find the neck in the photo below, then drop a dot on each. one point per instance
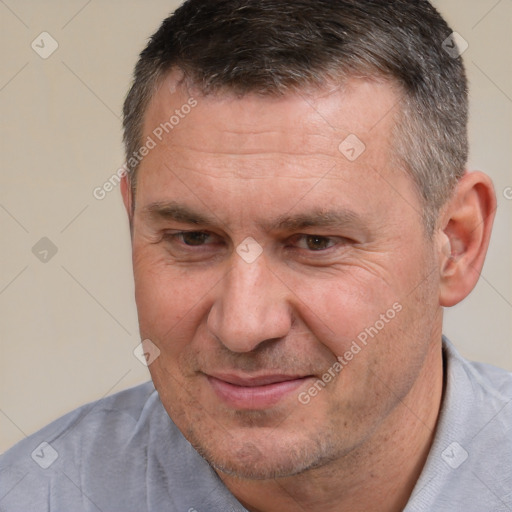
(384, 469)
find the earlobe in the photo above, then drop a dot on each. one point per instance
(464, 236)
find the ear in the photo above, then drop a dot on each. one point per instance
(465, 231)
(127, 194)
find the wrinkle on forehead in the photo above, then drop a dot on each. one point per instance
(295, 115)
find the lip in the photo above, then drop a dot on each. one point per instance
(255, 392)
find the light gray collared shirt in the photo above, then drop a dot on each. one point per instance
(123, 453)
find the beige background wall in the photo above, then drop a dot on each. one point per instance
(68, 326)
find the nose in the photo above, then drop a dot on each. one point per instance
(250, 307)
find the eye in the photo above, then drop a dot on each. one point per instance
(192, 246)
(315, 242)
(193, 238)
(190, 238)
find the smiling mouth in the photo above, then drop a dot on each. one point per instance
(259, 392)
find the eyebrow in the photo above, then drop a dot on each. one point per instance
(320, 217)
(172, 210)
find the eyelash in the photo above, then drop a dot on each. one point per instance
(178, 236)
(181, 234)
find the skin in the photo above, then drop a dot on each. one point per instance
(247, 165)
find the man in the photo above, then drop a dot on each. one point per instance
(300, 214)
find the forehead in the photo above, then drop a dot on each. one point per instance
(244, 148)
(303, 122)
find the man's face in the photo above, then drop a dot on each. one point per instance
(338, 263)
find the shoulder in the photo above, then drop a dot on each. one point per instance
(90, 436)
(470, 463)
(477, 387)
(76, 424)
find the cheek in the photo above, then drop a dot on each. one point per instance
(374, 318)
(342, 309)
(171, 307)
(169, 299)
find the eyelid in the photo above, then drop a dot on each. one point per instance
(316, 235)
(175, 234)
(334, 240)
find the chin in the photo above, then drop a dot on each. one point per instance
(253, 460)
